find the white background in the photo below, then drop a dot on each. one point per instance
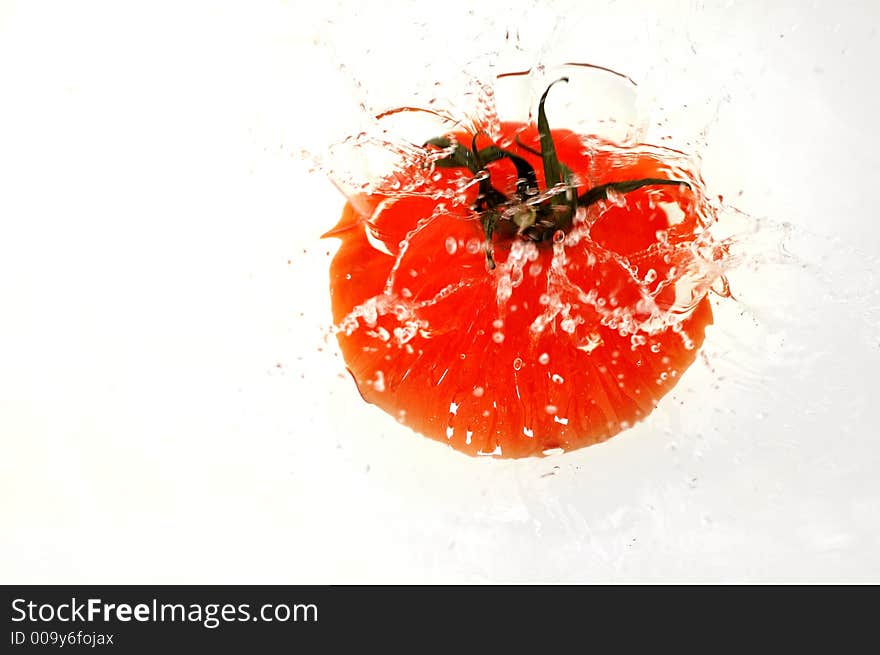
(172, 411)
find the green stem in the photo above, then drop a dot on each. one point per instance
(552, 167)
(600, 192)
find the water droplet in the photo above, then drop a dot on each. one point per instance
(650, 276)
(616, 198)
(558, 379)
(517, 364)
(551, 409)
(544, 359)
(504, 290)
(498, 337)
(473, 246)
(405, 334)
(478, 392)
(379, 382)
(451, 245)
(497, 323)
(593, 341)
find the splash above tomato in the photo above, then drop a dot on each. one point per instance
(535, 291)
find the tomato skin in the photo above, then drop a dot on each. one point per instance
(561, 346)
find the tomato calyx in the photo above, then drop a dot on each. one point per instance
(530, 212)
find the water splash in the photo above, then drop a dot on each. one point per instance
(732, 256)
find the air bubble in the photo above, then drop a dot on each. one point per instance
(517, 364)
(558, 379)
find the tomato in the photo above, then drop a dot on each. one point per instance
(539, 291)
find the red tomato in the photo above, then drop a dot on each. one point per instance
(558, 328)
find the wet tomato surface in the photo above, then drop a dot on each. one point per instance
(512, 302)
